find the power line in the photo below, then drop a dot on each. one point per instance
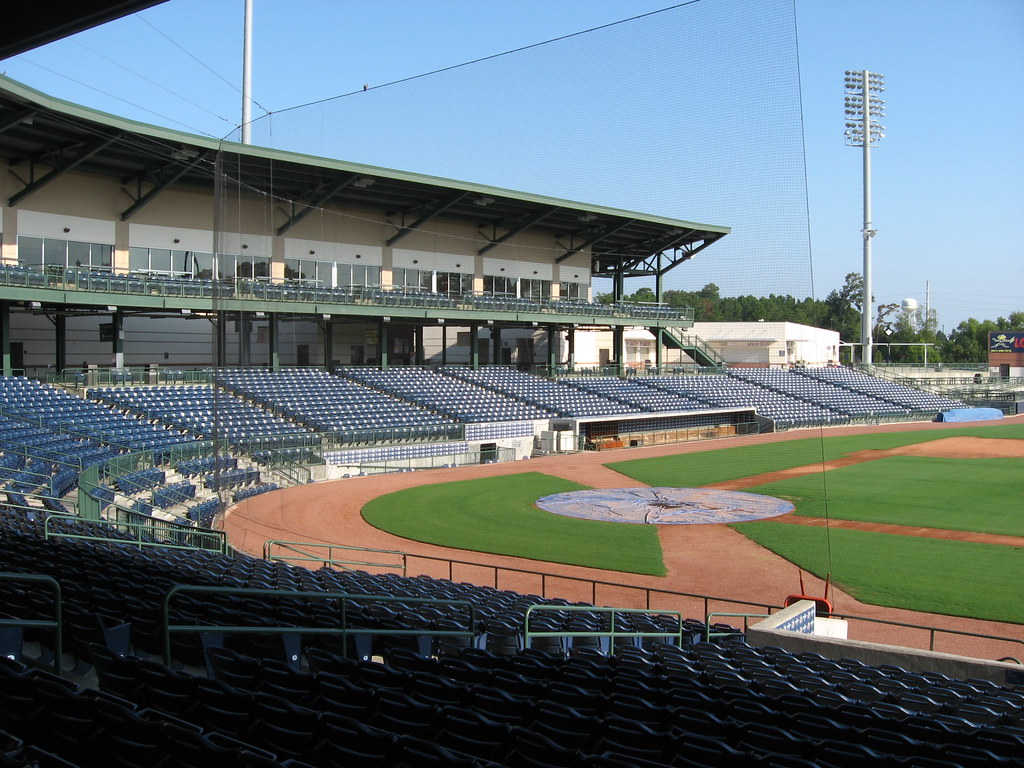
(482, 59)
(154, 83)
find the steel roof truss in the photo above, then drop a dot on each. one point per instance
(61, 168)
(598, 237)
(523, 224)
(428, 212)
(176, 172)
(322, 197)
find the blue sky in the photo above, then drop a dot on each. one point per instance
(693, 113)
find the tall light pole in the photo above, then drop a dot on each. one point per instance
(247, 74)
(863, 108)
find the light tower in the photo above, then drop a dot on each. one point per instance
(864, 107)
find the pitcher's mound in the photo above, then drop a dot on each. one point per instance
(665, 506)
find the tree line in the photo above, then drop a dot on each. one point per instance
(840, 311)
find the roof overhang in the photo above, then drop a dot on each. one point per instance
(27, 25)
(42, 137)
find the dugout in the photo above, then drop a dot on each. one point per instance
(636, 430)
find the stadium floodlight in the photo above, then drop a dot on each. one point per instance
(863, 108)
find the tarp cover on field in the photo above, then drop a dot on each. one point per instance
(970, 414)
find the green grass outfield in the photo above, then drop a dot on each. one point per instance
(703, 468)
(498, 515)
(916, 573)
(983, 495)
(958, 578)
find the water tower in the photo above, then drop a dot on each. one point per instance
(909, 305)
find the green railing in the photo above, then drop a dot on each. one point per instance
(128, 527)
(56, 624)
(267, 291)
(344, 630)
(611, 635)
(325, 555)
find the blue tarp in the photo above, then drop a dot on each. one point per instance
(970, 414)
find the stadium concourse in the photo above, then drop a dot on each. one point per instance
(725, 561)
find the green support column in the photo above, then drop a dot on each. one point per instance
(384, 343)
(328, 328)
(244, 339)
(571, 342)
(495, 345)
(273, 342)
(221, 352)
(474, 347)
(619, 336)
(552, 347)
(5, 337)
(659, 346)
(60, 342)
(417, 340)
(118, 343)
(444, 345)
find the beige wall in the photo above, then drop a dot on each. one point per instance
(90, 206)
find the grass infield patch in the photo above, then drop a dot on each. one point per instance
(955, 578)
(498, 515)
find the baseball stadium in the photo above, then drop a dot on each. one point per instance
(305, 462)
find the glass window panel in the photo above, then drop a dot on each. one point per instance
(202, 264)
(55, 251)
(102, 255)
(138, 259)
(30, 251)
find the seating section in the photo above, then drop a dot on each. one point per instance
(327, 403)
(60, 410)
(731, 392)
(916, 400)
(837, 399)
(200, 410)
(480, 700)
(638, 394)
(553, 396)
(457, 398)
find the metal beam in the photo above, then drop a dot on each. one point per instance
(316, 202)
(161, 186)
(607, 232)
(432, 211)
(87, 152)
(521, 227)
(17, 118)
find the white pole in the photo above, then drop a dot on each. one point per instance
(247, 75)
(865, 328)
(927, 315)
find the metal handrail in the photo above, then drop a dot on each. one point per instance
(612, 633)
(56, 625)
(708, 634)
(330, 561)
(139, 530)
(344, 630)
(707, 600)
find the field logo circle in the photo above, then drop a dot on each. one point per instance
(665, 506)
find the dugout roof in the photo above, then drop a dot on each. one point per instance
(42, 137)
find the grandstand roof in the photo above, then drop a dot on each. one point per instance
(42, 137)
(25, 27)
